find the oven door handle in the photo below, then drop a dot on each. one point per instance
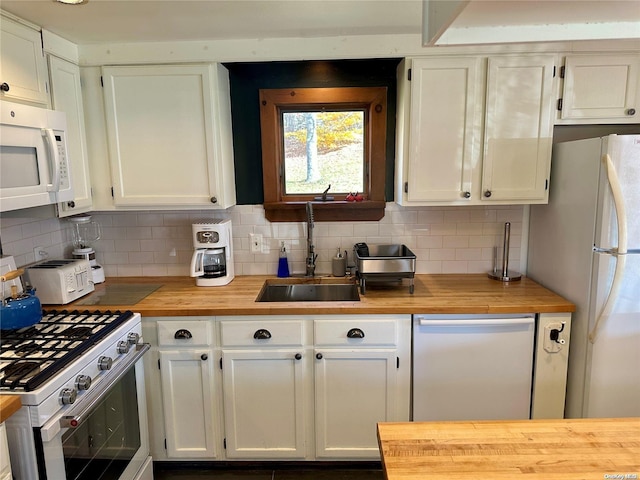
(77, 415)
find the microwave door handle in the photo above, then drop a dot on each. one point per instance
(54, 186)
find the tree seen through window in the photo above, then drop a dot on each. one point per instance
(323, 148)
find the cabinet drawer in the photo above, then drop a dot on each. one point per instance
(257, 332)
(184, 333)
(355, 332)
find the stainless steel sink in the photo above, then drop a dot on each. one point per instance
(308, 292)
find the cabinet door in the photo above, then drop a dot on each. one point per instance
(601, 87)
(5, 462)
(442, 147)
(355, 389)
(66, 95)
(188, 398)
(167, 146)
(24, 68)
(518, 129)
(264, 406)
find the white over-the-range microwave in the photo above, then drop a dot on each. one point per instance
(34, 166)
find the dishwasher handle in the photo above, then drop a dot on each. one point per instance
(474, 322)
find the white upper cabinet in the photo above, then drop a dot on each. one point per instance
(169, 136)
(66, 96)
(518, 129)
(24, 68)
(471, 135)
(446, 101)
(601, 89)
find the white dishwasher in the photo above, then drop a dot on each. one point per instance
(472, 367)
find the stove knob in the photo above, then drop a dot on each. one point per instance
(67, 396)
(83, 382)
(133, 338)
(104, 363)
(123, 347)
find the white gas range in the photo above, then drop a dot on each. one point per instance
(81, 381)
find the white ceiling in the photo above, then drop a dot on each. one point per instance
(501, 21)
(466, 21)
(129, 21)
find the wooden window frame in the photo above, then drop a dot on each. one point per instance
(286, 208)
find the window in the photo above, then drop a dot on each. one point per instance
(316, 137)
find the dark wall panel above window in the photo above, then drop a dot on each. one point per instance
(248, 78)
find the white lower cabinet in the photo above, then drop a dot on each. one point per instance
(264, 404)
(188, 402)
(276, 387)
(186, 363)
(355, 389)
(265, 387)
(5, 463)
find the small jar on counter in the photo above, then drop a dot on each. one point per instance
(339, 264)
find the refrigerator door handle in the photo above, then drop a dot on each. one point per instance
(618, 203)
(620, 252)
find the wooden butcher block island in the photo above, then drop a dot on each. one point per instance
(472, 294)
(529, 449)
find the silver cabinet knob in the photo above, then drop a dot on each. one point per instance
(133, 338)
(631, 112)
(67, 396)
(123, 347)
(214, 199)
(104, 363)
(83, 382)
(466, 194)
(487, 193)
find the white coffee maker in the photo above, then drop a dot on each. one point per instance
(212, 261)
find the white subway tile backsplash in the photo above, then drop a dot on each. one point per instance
(124, 245)
(445, 239)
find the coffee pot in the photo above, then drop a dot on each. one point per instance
(212, 260)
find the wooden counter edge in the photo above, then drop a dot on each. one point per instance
(9, 404)
(155, 304)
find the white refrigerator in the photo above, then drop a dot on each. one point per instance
(585, 245)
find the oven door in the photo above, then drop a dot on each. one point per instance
(105, 435)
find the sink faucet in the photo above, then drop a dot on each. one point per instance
(311, 256)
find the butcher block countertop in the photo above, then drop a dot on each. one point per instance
(9, 404)
(527, 449)
(475, 293)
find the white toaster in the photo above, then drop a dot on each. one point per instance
(59, 282)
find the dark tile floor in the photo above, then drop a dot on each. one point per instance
(314, 471)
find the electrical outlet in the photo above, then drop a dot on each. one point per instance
(256, 242)
(40, 254)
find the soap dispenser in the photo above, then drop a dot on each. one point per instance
(283, 262)
(339, 264)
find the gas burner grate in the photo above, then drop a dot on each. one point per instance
(30, 356)
(17, 372)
